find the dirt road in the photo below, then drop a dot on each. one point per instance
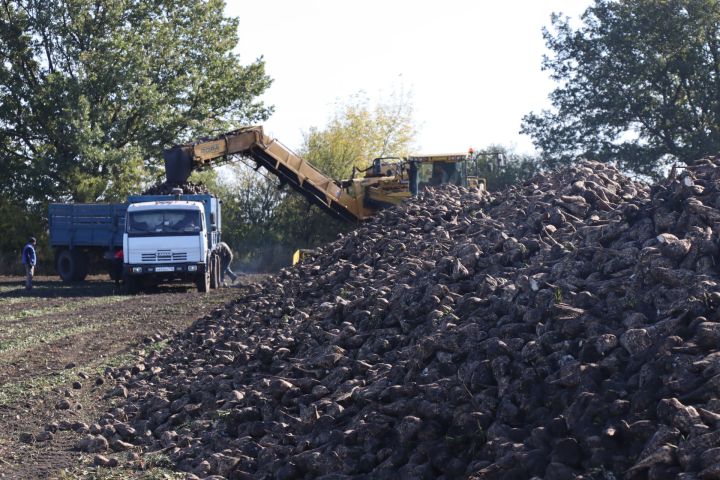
(55, 343)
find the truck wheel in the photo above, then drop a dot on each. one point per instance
(132, 284)
(202, 281)
(114, 273)
(115, 269)
(83, 265)
(214, 264)
(218, 273)
(72, 266)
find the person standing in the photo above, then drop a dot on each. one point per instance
(29, 259)
(226, 258)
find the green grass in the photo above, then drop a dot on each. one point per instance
(21, 335)
(19, 343)
(98, 473)
(11, 392)
(64, 308)
(156, 466)
(12, 300)
(157, 346)
(10, 288)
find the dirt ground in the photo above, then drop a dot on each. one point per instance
(60, 334)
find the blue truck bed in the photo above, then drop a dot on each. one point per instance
(87, 224)
(74, 225)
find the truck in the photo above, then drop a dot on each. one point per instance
(162, 238)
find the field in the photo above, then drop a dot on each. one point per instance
(60, 334)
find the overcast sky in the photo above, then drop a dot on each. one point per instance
(472, 66)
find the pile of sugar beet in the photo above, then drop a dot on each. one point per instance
(568, 327)
(167, 188)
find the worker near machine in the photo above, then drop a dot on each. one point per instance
(226, 257)
(29, 259)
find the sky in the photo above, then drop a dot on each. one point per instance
(472, 67)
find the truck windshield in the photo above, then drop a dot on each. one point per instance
(164, 221)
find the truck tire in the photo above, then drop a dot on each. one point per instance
(202, 281)
(132, 284)
(214, 270)
(72, 265)
(218, 272)
(115, 270)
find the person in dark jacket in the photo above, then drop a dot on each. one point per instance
(29, 259)
(226, 257)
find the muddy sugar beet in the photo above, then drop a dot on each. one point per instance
(564, 328)
(167, 188)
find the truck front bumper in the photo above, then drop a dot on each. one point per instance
(169, 269)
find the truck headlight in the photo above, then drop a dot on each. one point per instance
(192, 268)
(137, 269)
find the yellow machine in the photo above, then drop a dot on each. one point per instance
(300, 255)
(387, 182)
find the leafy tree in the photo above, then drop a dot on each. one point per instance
(90, 92)
(18, 222)
(639, 84)
(358, 132)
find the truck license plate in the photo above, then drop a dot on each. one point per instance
(164, 269)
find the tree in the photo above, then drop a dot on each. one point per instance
(18, 222)
(90, 92)
(639, 85)
(358, 132)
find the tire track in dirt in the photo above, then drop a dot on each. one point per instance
(22, 316)
(49, 326)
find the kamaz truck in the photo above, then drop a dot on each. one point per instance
(162, 238)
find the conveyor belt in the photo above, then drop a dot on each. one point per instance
(251, 142)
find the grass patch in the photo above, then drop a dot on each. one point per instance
(158, 460)
(157, 346)
(10, 287)
(11, 392)
(12, 300)
(67, 307)
(98, 473)
(20, 342)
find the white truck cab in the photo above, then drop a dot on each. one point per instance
(167, 240)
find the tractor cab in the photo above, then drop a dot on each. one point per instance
(435, 170)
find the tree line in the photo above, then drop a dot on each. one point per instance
(91, 92)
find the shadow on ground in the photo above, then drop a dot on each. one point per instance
(47, 287)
